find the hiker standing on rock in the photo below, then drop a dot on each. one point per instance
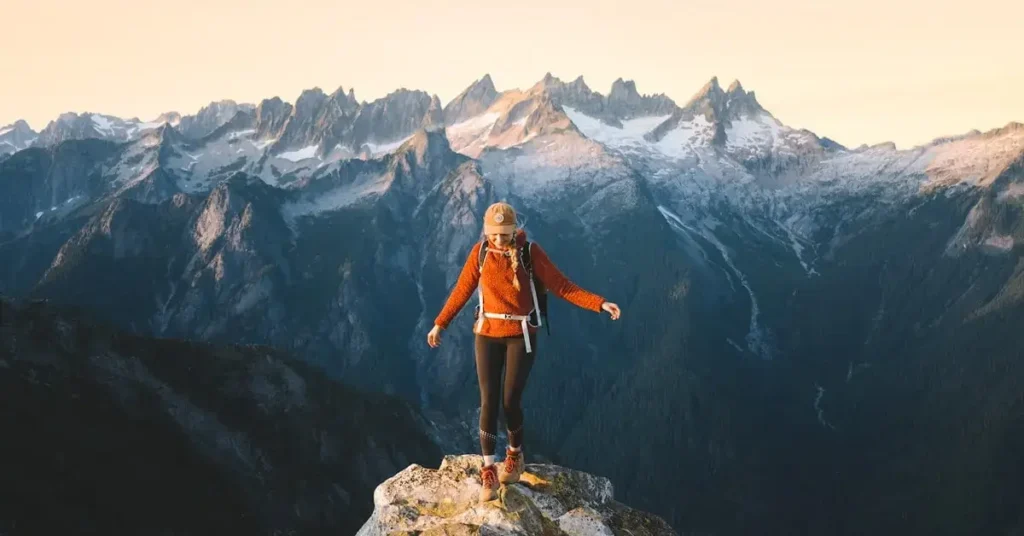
(511, 277)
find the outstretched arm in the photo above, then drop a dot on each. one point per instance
(464, 287)
(558, 283)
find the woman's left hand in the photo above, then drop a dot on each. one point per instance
(612, 309)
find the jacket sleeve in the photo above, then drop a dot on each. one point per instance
(555, 281)
(464, 287)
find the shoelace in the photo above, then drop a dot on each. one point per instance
(510, 462)
(488, 477)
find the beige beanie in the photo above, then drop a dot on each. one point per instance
(500, 218)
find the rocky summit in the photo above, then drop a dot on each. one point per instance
(549, 500)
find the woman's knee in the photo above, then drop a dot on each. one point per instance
(511, 405)
(488, 406)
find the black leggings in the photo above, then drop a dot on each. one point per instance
(493, 354)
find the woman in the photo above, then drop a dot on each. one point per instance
(504, 334)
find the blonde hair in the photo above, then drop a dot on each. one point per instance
(515, 263)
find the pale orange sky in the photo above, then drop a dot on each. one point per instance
(862, 71)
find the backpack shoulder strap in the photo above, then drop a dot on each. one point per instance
(482, 256)
(524, 254)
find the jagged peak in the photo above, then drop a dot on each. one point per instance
(485, 83)
(711, 85)
(580, 83)
(483, 86)
(709, 91)
(548, 81)
(308, 99)
(274, 107)
(68, 117)
(313, 92)
(730, 104)
(274, 101)
(476, 98)
(340, 93)
(20, 126)
(621, 84)
(623, 89)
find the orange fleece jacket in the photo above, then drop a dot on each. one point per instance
(501, 297)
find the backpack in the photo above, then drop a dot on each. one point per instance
(538, 286)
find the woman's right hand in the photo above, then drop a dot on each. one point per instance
(434, 337)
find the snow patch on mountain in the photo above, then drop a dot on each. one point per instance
(139, 129)
(470, 136)
(762, 135)
(298, 155)
(552, 165)
(62, 208)
(103, 125)
(377, 150)
(630, 136)
(795, 241)
(364, 187)
(246, 134)
(138, 160)
(753, 131)
(680, 143)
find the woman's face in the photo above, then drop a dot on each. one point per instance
(500, 240)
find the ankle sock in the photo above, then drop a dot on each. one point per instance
(515, 449)
(488, 459)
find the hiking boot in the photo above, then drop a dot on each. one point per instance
(489, 481)
(513, 467)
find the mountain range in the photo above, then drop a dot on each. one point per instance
(815, 338)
